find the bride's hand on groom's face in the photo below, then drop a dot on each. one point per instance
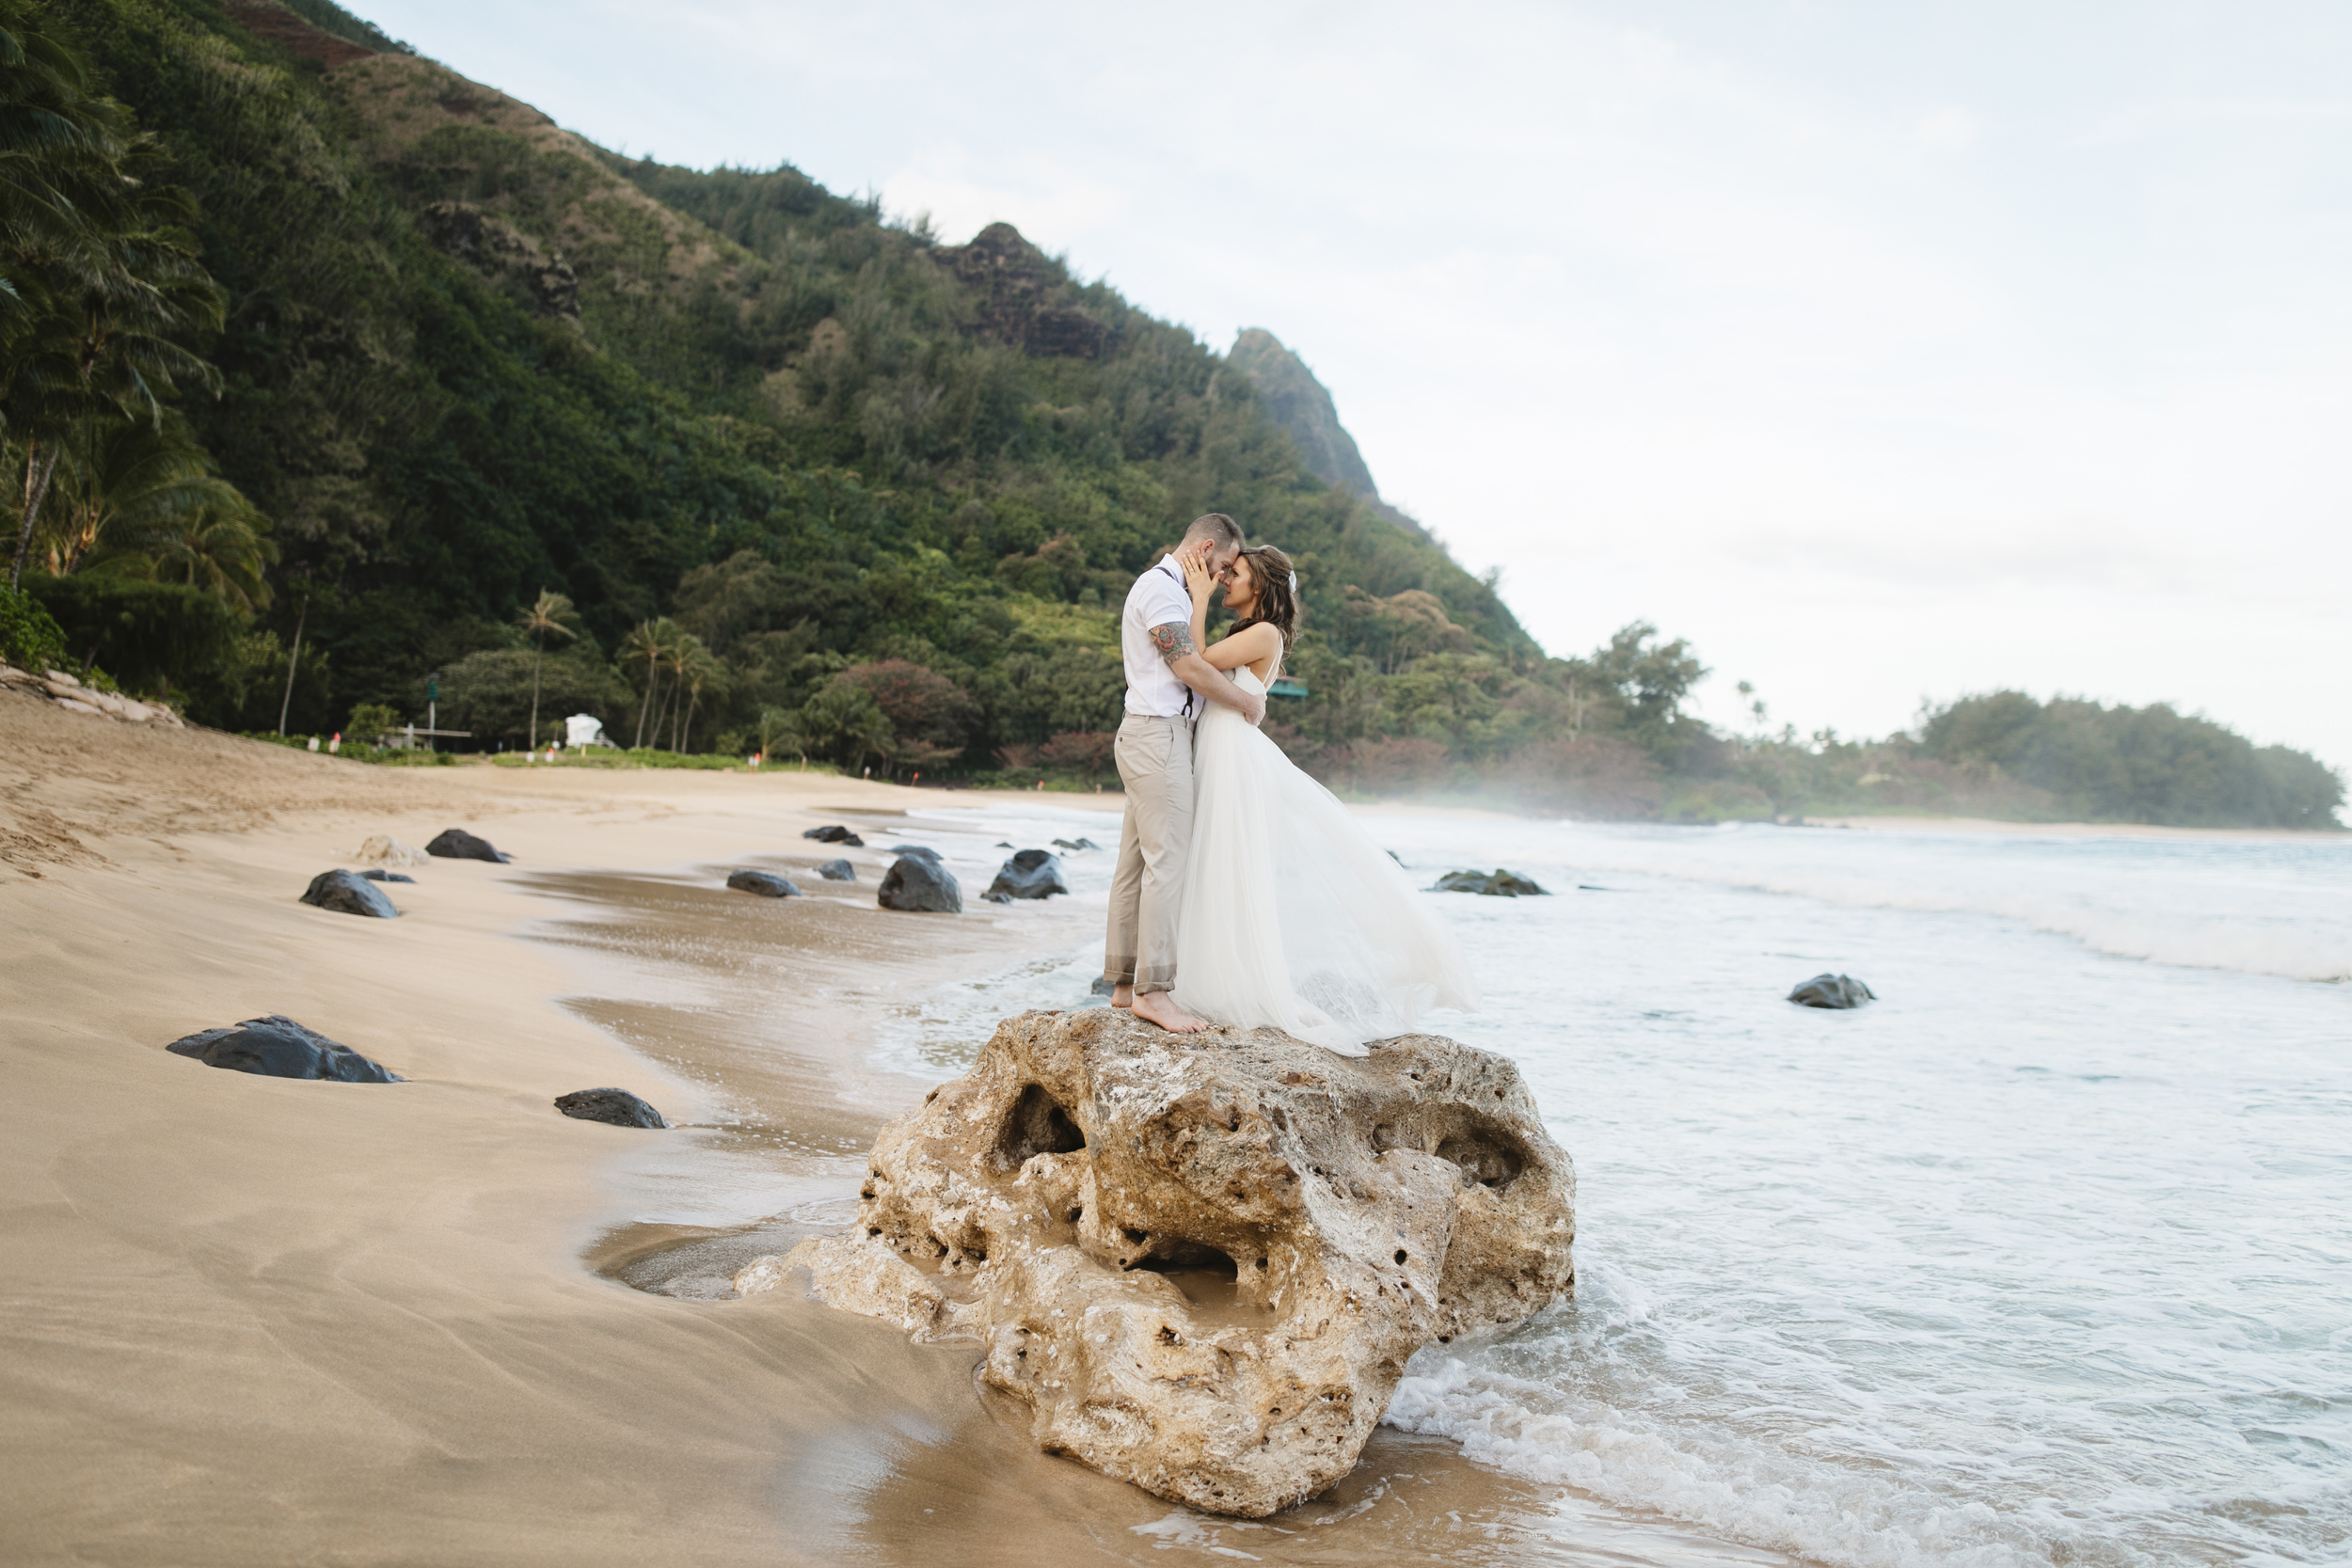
(1198, 580)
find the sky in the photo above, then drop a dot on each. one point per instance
(1886, 353)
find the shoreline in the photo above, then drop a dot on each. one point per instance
(1981, 825)
(260, 1320)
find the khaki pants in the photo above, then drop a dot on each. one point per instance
(1148, 889)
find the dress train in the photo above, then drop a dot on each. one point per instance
(1292, 915)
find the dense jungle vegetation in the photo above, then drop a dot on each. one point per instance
(328, 377)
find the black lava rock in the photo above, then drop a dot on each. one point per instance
(374, 876)
(1832, 991)
(835, 834)
(455, 844)
(919, 884)
(1103, 988)
(277, 1046)
(1030, 874)
(1074, 846)
(837, 871)
(1494, 884)
(925, 851)
(765, 884)
(348, 892)
(617, 1106)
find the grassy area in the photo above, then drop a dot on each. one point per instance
(353, 751)
(647, 756)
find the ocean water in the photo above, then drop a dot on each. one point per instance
(2043, 1258)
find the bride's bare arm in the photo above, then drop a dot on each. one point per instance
(1245, 646)
(1184, 660)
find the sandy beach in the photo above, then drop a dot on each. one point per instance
(254, 1320)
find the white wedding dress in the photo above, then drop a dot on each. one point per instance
(1292, 916)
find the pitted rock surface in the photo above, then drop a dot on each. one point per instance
(1203, 1261)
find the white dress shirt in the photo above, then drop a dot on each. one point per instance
(1157, 598)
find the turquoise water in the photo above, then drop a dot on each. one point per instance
(2044, 1257)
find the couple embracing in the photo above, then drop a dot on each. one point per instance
(1246, 895)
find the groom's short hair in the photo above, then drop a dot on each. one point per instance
(1216, 525)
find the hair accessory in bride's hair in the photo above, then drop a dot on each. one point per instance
(1294, 582)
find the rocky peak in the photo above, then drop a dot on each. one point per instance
(1303, 407)
(1026, 301)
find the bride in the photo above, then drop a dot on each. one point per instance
(1292, 916)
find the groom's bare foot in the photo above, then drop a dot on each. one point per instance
(1123, 996)
(1161, 1008)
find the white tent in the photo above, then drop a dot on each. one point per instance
(583, 729)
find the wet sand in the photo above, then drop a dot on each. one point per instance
(259, 1320)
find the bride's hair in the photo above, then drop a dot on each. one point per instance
(1274, 578)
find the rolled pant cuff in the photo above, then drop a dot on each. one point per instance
(1120, 972)
(1155, 978)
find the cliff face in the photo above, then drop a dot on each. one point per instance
(1303, 407)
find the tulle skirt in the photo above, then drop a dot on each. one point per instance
(1292, 915)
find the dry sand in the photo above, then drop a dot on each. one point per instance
(257, 1321)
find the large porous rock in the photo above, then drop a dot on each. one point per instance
(1203, 1260)
(765, 884)
(1494, 884)
(277, 1046)
(617, 1106)
(1030, 874)
(458, 844)
(349, 893)
(920, 884)
(1832, 991)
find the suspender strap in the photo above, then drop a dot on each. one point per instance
(1190, 695)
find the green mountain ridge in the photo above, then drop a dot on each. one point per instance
(782, 474)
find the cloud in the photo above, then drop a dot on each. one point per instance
(1947, 128)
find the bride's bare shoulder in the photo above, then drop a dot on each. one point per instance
(1249, 645)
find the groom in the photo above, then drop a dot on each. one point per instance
(1166, 681)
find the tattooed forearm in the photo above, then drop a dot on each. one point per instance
(1173, 640)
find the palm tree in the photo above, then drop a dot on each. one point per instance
(96, 268)
(542, 617)
(649, 642)
(222, 553)
(102, 351)
(692, 665)
(129, 488)
(777, 727)
(58, 144)
(698, 669)
(844, 719)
